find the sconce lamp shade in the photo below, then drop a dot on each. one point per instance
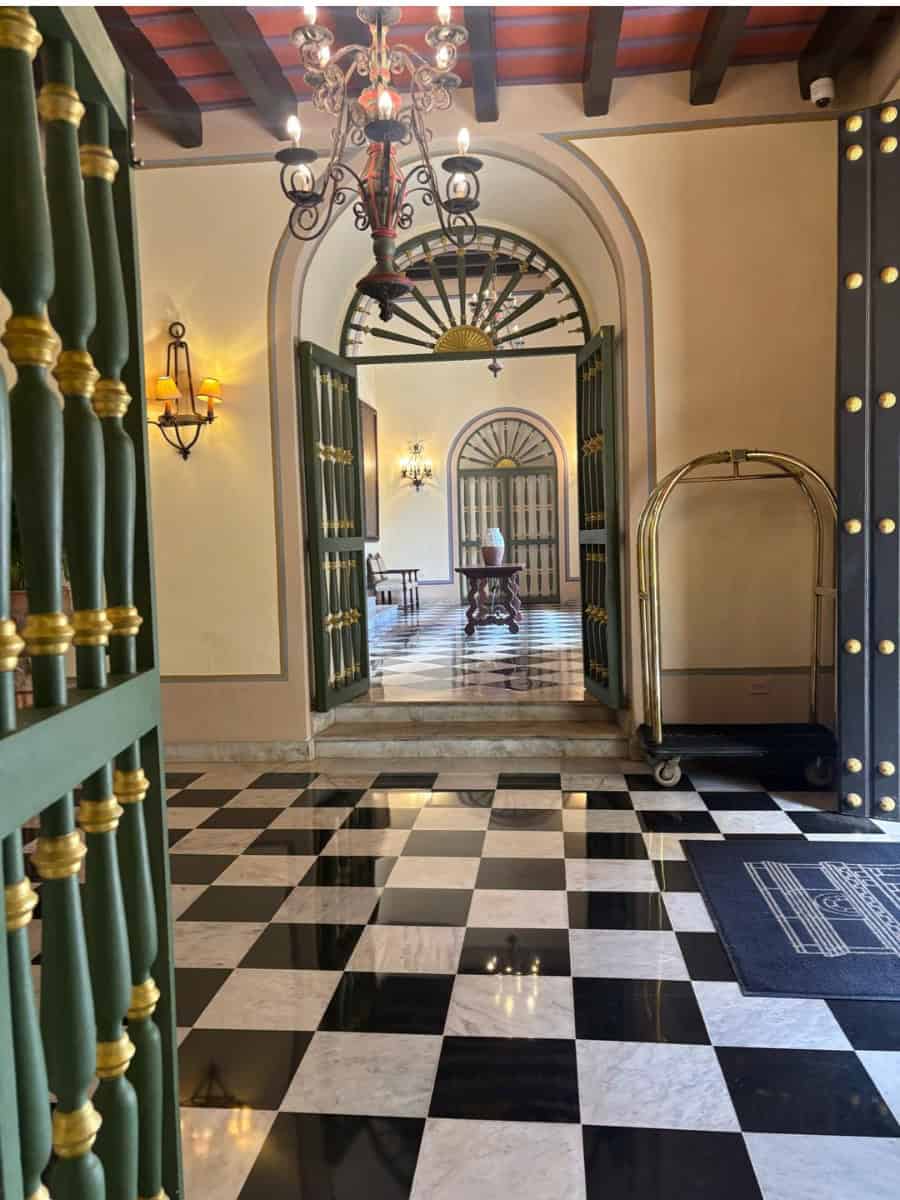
(210, 390)
(167, 388)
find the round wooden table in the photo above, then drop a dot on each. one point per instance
(499, 607)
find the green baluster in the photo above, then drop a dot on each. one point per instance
(109, 346)
(73, 310)
(26, 275)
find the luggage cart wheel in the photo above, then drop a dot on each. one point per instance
(819, 772)
(667, 773)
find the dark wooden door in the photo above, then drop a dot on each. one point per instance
(335, 520)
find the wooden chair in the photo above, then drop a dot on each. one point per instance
(381, 584)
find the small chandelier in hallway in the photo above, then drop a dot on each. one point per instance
(181, 421)
(380, 119)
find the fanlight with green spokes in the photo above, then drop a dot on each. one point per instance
(506, 442)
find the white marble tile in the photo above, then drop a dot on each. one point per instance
(793, 1166)
(265, 798)
(370, 1074)
(453, 818)
(600, 820)
(424, 871)
(502, 843)
(653, 1085)
(402, 948)
(394, 799)
(499, 908)
(666, 847)
(468, 781)
(527, 798)
(847, 837)
(187, 818)
(884, 1067)
(525, 1006)
(734, 1019)
(338, 779)
(219, 1147)
(214, 943)
(227, 775)
(626, 954)
(688, 912)
(668, 802)
(276, 999)
(182, 896)
(374, 842)
(754, 822)
(599, 781)
(610, 875)
(261, 870)
(181, 1033)
(484, 1160)
(891, 828)
(215, 841)
(311, 818)
(329, 905)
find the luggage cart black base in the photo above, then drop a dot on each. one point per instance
(811, 747)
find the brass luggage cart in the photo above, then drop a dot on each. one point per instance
(665, 745)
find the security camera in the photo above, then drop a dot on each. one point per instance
(821, 91)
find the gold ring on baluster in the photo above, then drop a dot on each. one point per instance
(92, 627)
(98, 162)
(11, 645)
(19, 31)
(113, 1057)
(110, 398)
(47, 633)
(21, 901)
(99, 816)
(59, 857)
(130, 787)
(144, 998)
(59, 102)
(125, 620)
(30, 341)
(75, 373)
(74, 1132)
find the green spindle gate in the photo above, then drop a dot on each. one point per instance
(598, 518)
(77, 469)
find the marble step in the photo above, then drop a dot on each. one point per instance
(473, 739)
(468, 711)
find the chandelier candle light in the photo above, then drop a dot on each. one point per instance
(416, 469)
(381, 120)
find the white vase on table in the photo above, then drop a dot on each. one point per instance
(492, 548)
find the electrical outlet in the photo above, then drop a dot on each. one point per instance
(759, 687)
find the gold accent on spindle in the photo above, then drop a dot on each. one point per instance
(92, 627)
(889, 114)
(113, 1057)
(130, 787)
(74, 1132)
(853, 404)
(125, 620)
(19, 31)
(853, 645)
(887, 400)
(99, 816)
(47, 633)
(854, 153)
(75, 373)
(21, 901)
(59, 857)
(853, 281)
(854, 765)
(11, 645)
(887, 803)
(889, 275)
(853, 800)
(110, 398)
(887, 145)
(144, 998)
(59, 102)
(853, 525)
(30, 341)
(886, 525)
(98, 162)
(886, 768)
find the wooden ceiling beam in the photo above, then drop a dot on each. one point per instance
(155, 84)
(237, 37)
(480, 23)
(839, 35)
(604, 26)
(721, 32)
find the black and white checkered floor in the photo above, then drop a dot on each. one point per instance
(425, 655)
(502, 983)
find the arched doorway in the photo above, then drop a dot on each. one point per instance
(508, 478)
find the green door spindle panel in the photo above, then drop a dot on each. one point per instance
(73, 310)
(27, 278)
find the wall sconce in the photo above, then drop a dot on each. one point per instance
(181, 422)
(416, 468)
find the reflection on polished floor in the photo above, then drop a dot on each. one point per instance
(499, 980)
(424, 655)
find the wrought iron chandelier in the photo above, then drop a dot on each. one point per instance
(381, 119)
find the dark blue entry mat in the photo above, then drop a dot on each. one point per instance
(815, 919)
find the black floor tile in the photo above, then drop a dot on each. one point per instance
(646, 783)
(826, 1092)
(869, 1024)
(300, 947)
(226, 903)
(336, 1158)
(204, 797)
(597, 800)
(604, 845)
(738, 801)
(618, 910)
(405, 779)
(241, 818)
(290, 841)
(705, 957)
(638, 1010)
(180, 779)
(677, 822)
(329, 798)
(284, 779)
(194, 988)
(666, 1164)
(216, 1069)
(422, 906)
(366, 1002)
(675, 876)
(381, 818)
(532, 780)
(524, 951)
(507, 1079)
(522, 874)
(441, 843)
(348, 870)
(747, 837)
(526, 820)
(461, 799)
(826, 822)
(174, 836)
(198, 868)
